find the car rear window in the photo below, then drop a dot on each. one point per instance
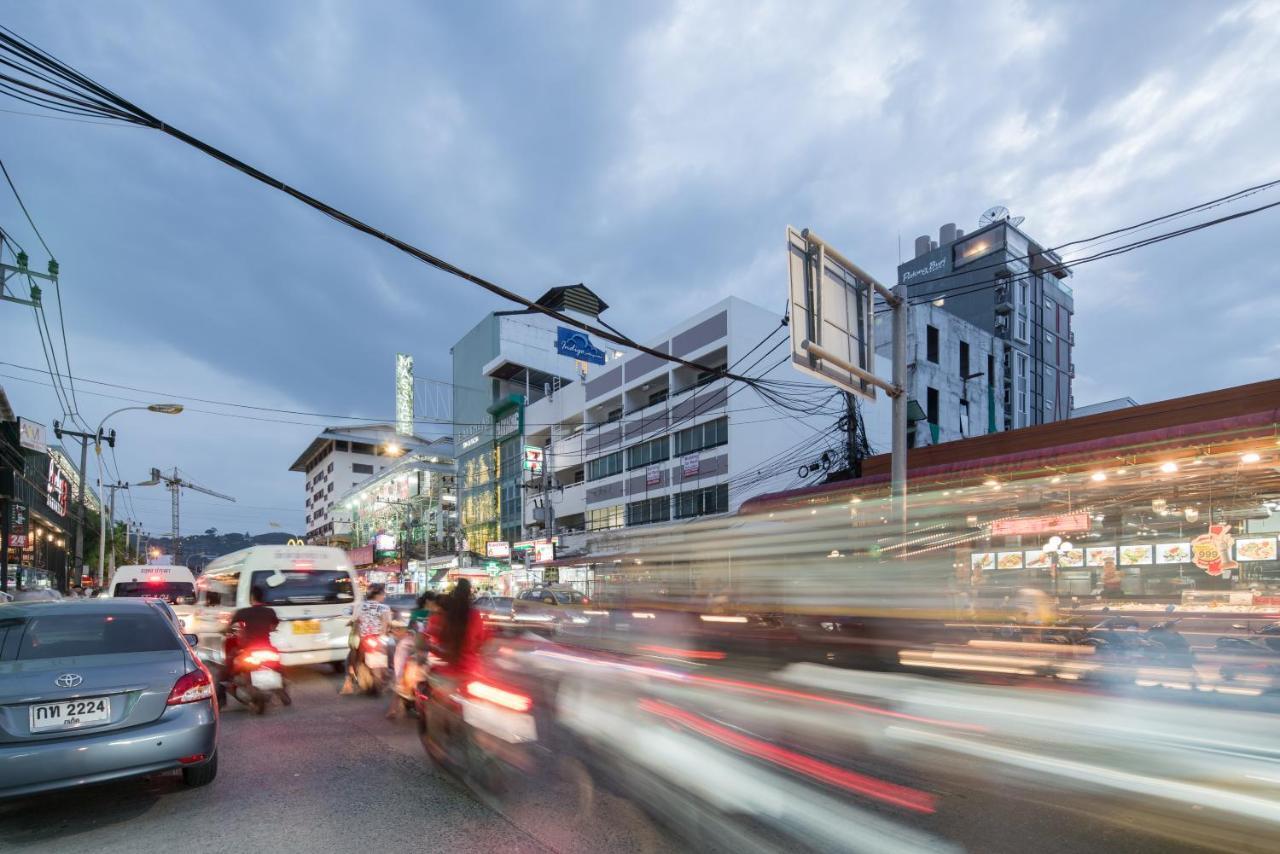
(305, 587)
(173, 592)
(568, 597)
(60, 635)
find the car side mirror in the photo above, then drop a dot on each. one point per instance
(191, 640)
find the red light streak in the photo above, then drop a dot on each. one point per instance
(831, 701)
(824, 772)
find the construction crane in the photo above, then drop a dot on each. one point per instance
(175, 485)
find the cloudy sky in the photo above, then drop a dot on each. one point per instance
(652, 150)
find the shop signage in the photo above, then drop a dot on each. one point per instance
(653, 475)
(551, 575)
(506, 425)
(689, 465)
(497, 548)
(31, 436)
(1211, 551)
(576, 344)
(58, 489)
(533, 459)
(1040, 525)
(935, 266)
(17, 525)
(362, 556)
(524, 545)
(544, 552)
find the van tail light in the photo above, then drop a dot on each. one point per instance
(499, 696)
(191, 688)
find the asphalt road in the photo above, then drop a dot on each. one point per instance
(328, 774)
(333, 774)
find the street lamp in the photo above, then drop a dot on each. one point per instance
(161, 408)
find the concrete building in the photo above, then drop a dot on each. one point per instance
(408, 513)
(635, 441)
(337, 460)
(1002, 289)
(1104, 406)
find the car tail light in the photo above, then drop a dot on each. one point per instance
(191, 688)
(192, 759)
(499, 696)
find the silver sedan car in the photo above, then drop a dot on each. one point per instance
(96, 690)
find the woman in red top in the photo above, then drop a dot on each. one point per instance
(460, 633)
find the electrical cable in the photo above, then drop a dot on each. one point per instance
(90, 96)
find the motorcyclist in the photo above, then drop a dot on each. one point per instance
(373, 619)
(460, 632)
(406, 646)
(249, 628)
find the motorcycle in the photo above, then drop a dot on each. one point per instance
(371, 664)
(255, 677)
(478, 728)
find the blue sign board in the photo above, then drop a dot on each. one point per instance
(577, 345)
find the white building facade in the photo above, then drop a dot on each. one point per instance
(646, 441)
(338, 460)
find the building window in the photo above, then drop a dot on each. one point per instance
(329, 469)
(964, 359)
(330, 489)
(931, 343)
(362, 468)
(604, 518)
(931, 405)
(657, 397)
(702, 502)
(606, 466)
(976, 247)
(649, 511)
(705, 377)
(653, 451)
(614, 415)
(702, 436)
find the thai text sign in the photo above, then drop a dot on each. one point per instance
(1040, 525)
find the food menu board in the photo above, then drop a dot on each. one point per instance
(1256, 548)
(1173, 553)
(1071, 558)
(1136, 555)
(984, 561)
(1098, 555)
(1039, 559)
(1009, 560)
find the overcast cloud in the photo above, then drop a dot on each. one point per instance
(652, 150)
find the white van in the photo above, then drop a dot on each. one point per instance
(311, 588)
(174, 584)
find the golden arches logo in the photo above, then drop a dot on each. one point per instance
(294, 541)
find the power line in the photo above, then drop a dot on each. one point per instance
(92, 99)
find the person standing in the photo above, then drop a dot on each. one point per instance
(373, 618)
(1112, 581)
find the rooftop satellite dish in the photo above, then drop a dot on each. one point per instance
(995, 213)
(1016, 221)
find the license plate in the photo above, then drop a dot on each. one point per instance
(511, 727)
(70, 714)
(306, 627)
(375, 660)
(266, 680)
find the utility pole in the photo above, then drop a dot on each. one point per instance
(898, 462)
(84, 438)
(111, 522)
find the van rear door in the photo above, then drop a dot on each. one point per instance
(315, 606)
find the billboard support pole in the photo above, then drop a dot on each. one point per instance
(898, 460)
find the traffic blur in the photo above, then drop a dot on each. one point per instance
(815, 674)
